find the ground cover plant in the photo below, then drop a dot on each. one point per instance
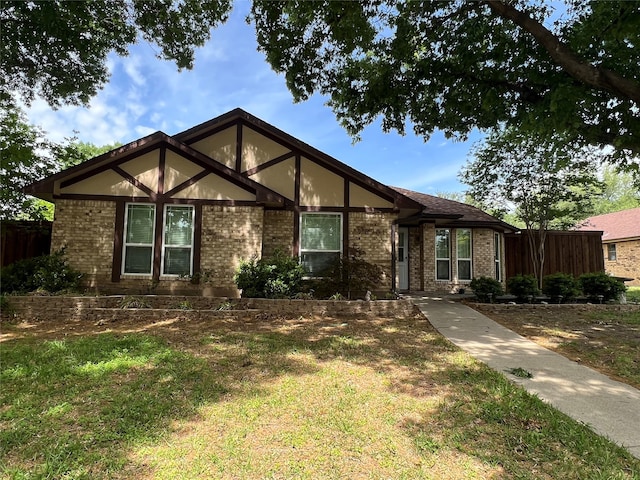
(602, 337)
(275, 398)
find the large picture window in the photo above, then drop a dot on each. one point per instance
(463, 251)
(140, 220)
(443, 254)
(320, 241)
(140, 240)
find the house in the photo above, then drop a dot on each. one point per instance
(620, 242)
(164, 209)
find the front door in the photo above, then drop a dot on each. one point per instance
(402, 263)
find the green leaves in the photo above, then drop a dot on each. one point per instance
(58, 49)
(457, 66)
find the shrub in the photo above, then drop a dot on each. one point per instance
(594, 284)
(523, 286)
(349, 275)
(486, 288)
(560, 284)
(278, 276)
(49, 273)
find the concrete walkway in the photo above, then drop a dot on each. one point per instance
(610, 408)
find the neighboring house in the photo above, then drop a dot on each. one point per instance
(165, 208)
(620, 242)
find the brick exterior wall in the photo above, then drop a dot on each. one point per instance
(229, 235)
(371, 232)
(277, 232)
(627, 263)
(483, 253)
(86, 229)
(415, 280)
(482, 259)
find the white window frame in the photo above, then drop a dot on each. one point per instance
(125, 244)
(464, 259)
(497, 255)
(300, 249)
(165, 245)
(612, 252)
(448, 259)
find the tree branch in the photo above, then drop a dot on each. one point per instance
(566, 58)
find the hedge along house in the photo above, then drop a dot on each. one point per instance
(164, 209)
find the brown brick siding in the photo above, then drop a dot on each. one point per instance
(229, 235)
(371, 233)
(277, 232)
(627, 263)
(86, 230)
(415, 279)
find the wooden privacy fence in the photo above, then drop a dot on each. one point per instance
(23, 239)
(565, 251)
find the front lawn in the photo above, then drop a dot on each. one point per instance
(283, 398)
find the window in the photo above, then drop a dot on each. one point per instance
(443, 255)
(463, 242)
(177, 244)
(140, 240)
(611, 251)
(320, 240)
(498, 255)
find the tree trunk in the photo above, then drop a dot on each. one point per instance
(570, 62)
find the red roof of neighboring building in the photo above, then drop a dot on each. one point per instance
(615, 226)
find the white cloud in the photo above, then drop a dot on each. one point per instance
(132, 67)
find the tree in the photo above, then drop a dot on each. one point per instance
(459, 65)
(25, 156)
(548, 186)
(58, 49)
(619, 192)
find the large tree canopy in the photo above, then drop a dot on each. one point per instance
(458, 65)
(58, 49)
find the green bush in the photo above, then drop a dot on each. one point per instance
(278, 276)
(486, 288)
(560, 284)
(48, 273)
(350, 275)
(594, 284)
(523, 286)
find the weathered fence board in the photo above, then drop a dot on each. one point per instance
(23, 239)
(565, 251)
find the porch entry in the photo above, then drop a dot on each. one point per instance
(402, 262)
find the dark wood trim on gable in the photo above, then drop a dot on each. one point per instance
(270, 163)
(187, 183)
(161, 166)
(136, 183)
(238, 146)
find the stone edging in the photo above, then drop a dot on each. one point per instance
(109, 308)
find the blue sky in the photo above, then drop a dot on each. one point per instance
(146, 94)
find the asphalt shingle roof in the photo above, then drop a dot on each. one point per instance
(615, 226)
(442, 206)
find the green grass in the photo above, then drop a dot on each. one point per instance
(296, 399)
(633, 294)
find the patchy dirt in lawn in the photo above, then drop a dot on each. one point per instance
(604, 338)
